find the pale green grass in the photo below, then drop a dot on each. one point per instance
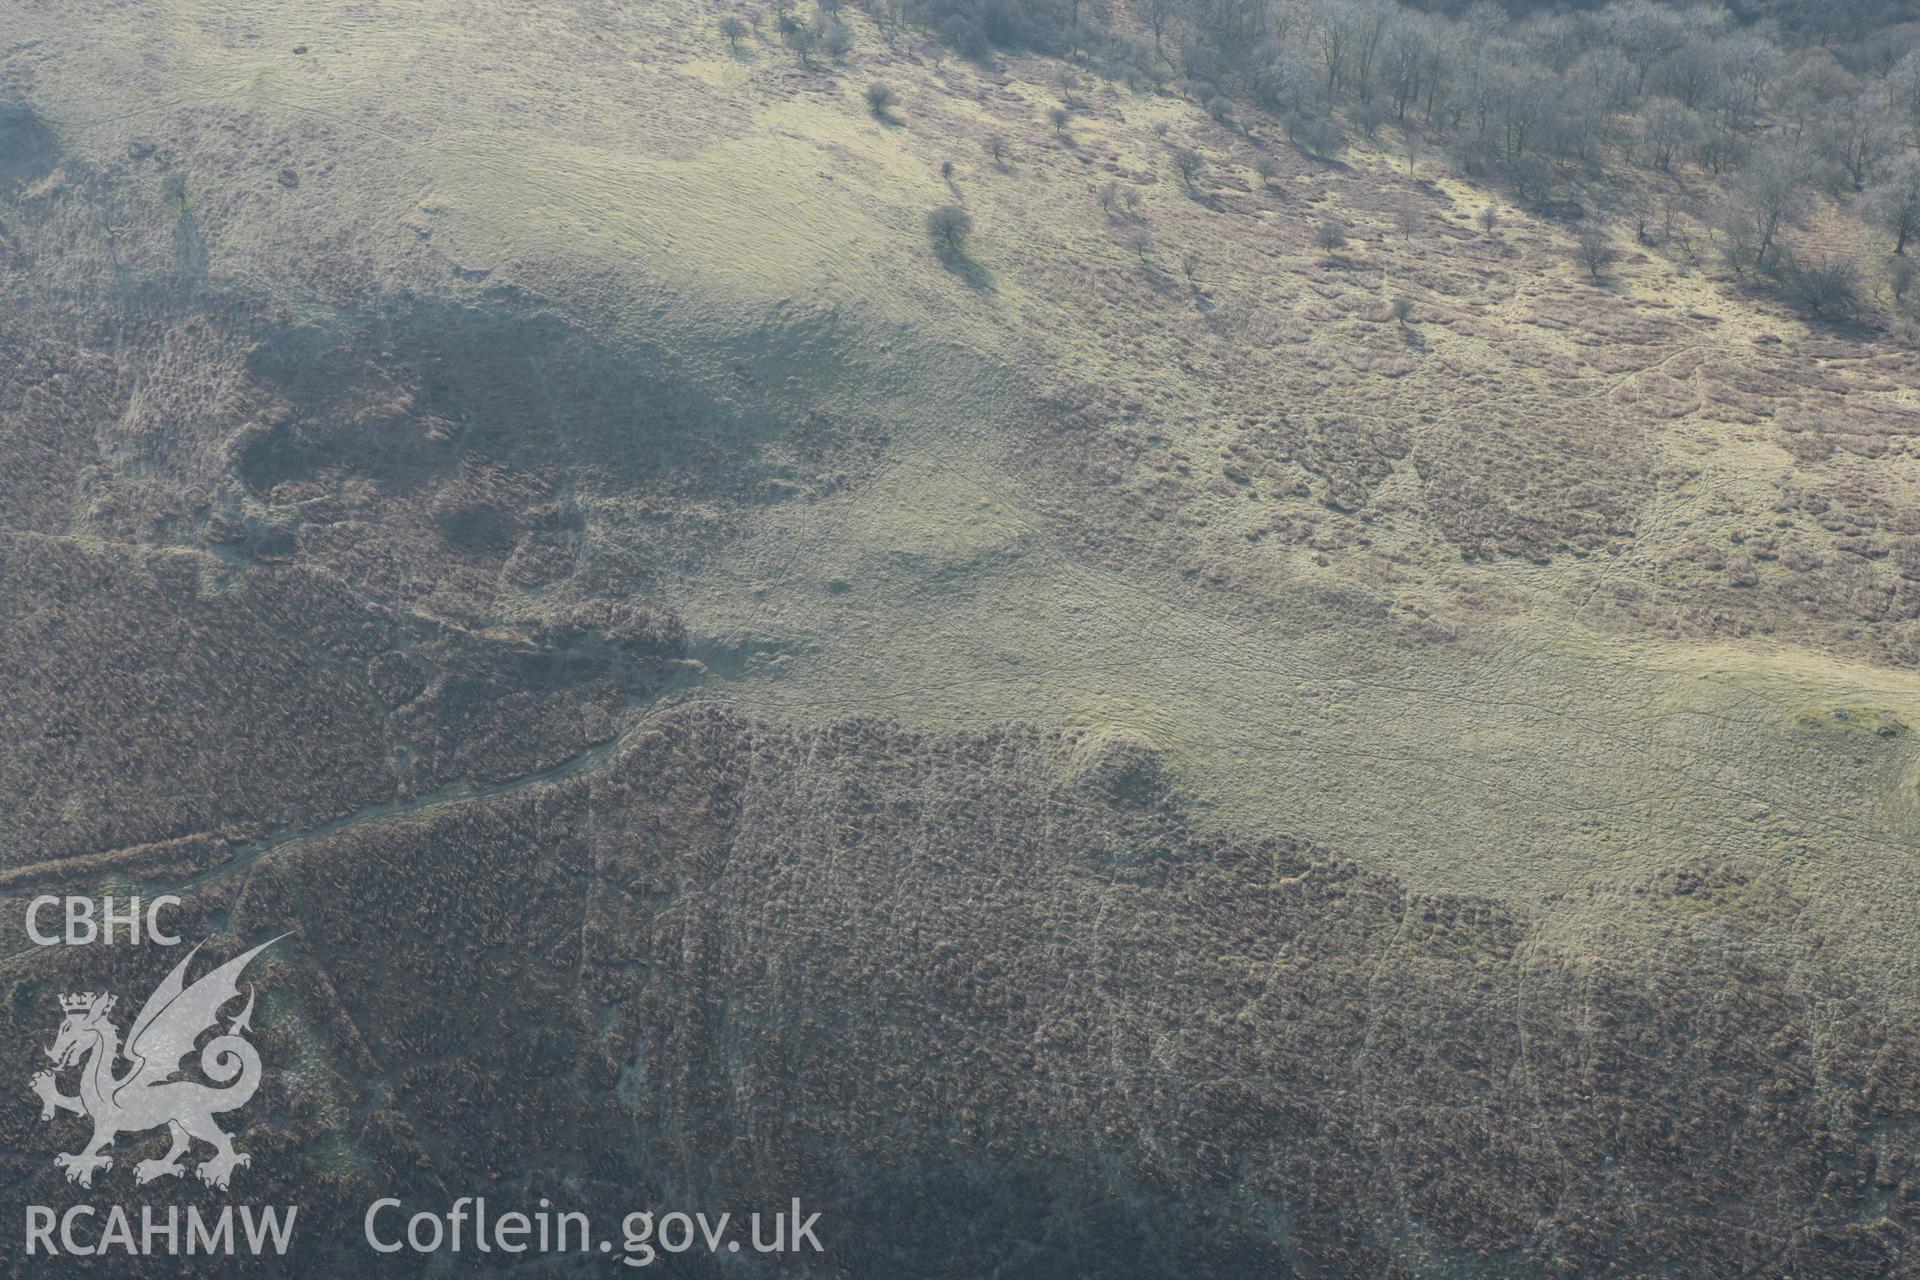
(739, 214)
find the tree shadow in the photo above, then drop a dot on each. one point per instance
(27, 147)
(1562, 209)
(1332, 163)
(1162, 281)
(972, 273)
(1838, 324)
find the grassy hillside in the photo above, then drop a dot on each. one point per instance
(573, 367)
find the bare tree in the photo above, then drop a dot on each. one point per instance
(1673, 226)
(1667, 130)
(1608, 75)
(1142, 245)
(1190, 268)
(1903, 90)
(1190, 164)
(1828, 287)
(1160, 15)
(1733, 235)
(1901, 274)
(1770, 193)
(1407, 59)
(1349, 34)
(1689, 74)
(1283, 81)
(1317, 135)
(950, 225)
(1640, 211)
(1893, 204)
(836, 37)
(1750, 65)
(1594, 251)
(1855, 135)
(1266, 168)
(1330, 237)
(996, 147)
(1488, 218)
(803, 40)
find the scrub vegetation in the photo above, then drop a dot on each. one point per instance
(1162, 638)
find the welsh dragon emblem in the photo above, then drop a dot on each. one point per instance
(147, 1096)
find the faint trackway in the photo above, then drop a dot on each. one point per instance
(244, 856)
(1237, 646)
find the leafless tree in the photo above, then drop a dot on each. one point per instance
(1595, 251)
(1901, 274)
(1690, 73)
(950, 225)
(1190, 164)
(1854, 133)
(1159, 15)
(1828, 286)
(1641, 207)
(836, 37)
(1893, 204)
(1771, 192)
(803, 40)
(1667, 130)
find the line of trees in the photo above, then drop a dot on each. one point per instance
(1811, 98)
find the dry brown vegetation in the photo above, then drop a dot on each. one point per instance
(1208, 772)
(997, 991)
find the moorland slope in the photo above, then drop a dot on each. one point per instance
(1104, 712)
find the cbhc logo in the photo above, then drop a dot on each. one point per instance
(83, 928)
